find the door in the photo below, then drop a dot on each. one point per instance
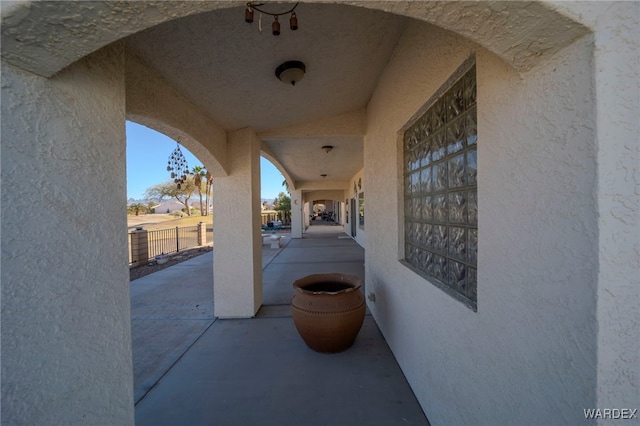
(353, 217)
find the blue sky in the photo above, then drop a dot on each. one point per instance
(147, 155)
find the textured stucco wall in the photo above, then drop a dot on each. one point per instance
(297, 212)
(66, 345)
(151, 101)
(237, 276)
(324, 194)
(529, 354)
(50, 38)
(617, 77)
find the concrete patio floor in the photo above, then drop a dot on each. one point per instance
(193, 369)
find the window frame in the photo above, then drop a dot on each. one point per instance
(418, 259)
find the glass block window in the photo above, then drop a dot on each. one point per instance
(440, 191)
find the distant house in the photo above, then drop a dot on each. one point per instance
(168, 207)
(268, 215)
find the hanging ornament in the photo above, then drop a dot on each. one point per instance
(178, 167)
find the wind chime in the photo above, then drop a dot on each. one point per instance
(178, 167)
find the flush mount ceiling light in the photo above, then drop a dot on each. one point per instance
(290, 72)
(327, 148)
(275, 26)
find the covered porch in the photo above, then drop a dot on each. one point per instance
(192, 368)
(496, 144)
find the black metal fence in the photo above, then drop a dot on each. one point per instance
(168, 241)
(172, 240)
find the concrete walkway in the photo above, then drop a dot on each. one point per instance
(191, 369)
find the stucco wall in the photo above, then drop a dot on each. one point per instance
(617, 73)
(151, 101)
(529, 354)
(237, 288)
(66, 345)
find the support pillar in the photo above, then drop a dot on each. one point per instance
(66, 317)
(618, 105)
(202, 234)
(306, 211)
(139, 247)
(297, 222)
(237, 272)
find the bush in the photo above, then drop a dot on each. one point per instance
(177, 213)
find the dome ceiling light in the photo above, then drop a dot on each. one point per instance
(290, 72)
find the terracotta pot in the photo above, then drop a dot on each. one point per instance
(328, 310)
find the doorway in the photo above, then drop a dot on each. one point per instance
(353, 217)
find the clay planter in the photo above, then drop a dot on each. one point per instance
(328, 310)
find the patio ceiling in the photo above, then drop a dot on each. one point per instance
(226, 67)
(222, 65)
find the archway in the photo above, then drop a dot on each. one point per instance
(168, 312)
(541, 32)
(522, 57)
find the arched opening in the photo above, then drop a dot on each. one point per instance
(169, 311)
(326, 212)
(273, 196)
(523, 45)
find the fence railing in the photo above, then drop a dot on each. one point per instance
(172, 240)
(145, 245)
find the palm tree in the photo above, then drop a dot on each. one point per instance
(209, 189)
(137, 208)
(198, 173)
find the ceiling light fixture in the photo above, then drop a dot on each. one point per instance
(290, 72)
(327, 148)
(275, 26)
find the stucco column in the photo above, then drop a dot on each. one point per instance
(297, 224)
(139, 247)
(66, 331)
(306, 211)
(618, 105)
(237, 272)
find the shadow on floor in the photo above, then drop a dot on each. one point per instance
(259, 371)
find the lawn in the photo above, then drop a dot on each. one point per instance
(153, 222)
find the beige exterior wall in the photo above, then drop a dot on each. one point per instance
(153, 102)
(297, 212)
(558, 222)
(66, 332)
(617, 73)
(237, 276)
(530, 352)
